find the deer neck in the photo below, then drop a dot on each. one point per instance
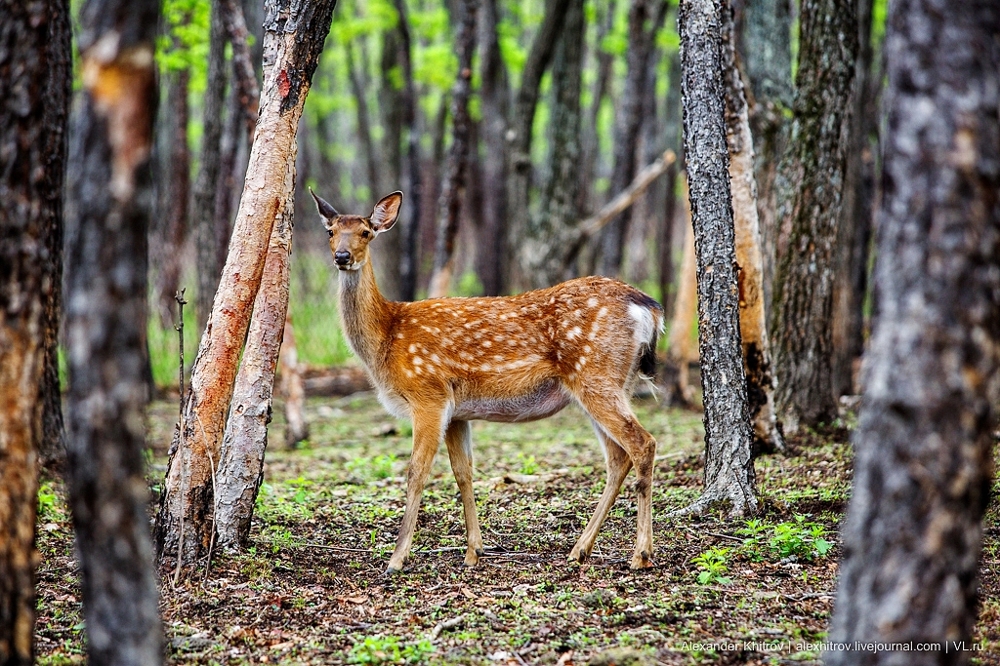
(365, 313)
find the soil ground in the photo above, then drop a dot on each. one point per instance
(311, 589)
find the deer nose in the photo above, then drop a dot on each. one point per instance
(342, 257)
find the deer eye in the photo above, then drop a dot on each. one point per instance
(366, 234)
(329, 232)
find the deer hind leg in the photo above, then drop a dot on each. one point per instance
(426, 437)
(611, 412)
(618, 463)
(458, 437)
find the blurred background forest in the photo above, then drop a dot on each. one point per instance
(567, 102)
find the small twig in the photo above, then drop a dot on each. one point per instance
(724, 536)
(179, 327)
(446, 624)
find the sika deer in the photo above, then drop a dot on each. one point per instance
(447, 361)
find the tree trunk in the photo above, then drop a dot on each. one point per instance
(391, 111)
(184, 523)
(292, 388)
(35, 59)
(240, 463)
(450, 204)
(205, 186)
(175, 190)
(519, 135)
(109, 184)
(812, 176)
(766, 51)
(923, 465)
(368, 154)
(628, 121)
(494, 93)
(681, 352)
(409, 228)
(729, 472)
(855, 228)
(743, 185)
(590, 142)
(665, 242)
(544, 244)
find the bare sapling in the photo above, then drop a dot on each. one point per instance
(444, 362)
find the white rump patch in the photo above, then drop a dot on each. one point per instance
(645, 323)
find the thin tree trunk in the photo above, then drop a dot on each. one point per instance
(368, 154)
(175, 196)
(681, 352)
(109, 184)
(812, 177)
(35, 60)
(923, 465)
(391, 111)
(544, 244)
(519, 136)
(184, 523)
(453, 191)
(729, 471)
(665, 241)
(494, 94)
(753, 322)
(855, 228)
(292, 388)
(205, 187)
(244, 74)
(628, 121)
(590, 144)
(410, 218)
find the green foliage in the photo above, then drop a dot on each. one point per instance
(389, 650)
(799, 539)
(184, 43)
(48, 502)
(712, 565)
(528, 463)
(372, 469)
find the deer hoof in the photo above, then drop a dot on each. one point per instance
(577, 556)
(641, 560)
(393, 571)
(472, 557)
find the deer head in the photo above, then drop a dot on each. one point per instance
(351, 234)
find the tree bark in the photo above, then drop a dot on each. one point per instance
(109, 186)
(494, 93)
(590, 142)
(923, 463)
(729, 472)
(34, 56)
(628, 121)
(450, 203)
(205, 187)
(547, 234)
(855, 227)
(765, 47)
(240, 463)
(519, 135)
(681, 352)
(812, 176)
(753, 322)
(292, 46)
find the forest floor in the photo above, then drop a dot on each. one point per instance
(311, 590)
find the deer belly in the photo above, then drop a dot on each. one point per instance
(545, 400)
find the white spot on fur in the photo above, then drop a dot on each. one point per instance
(592, 301)
(412, 348)
(574, 333)
(417, 360)
(604, 310)
(487, 343)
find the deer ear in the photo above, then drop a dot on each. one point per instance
(324, 208)
(386, 211)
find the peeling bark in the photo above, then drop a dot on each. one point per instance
(729, 471)
(292, 46)
(913, 532)
(743, 185)
(107, 218)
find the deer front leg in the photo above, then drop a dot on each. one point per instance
(426, 436)
(458, 437)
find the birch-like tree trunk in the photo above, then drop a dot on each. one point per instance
(810, 186)
(924, 442)
(292, 45)
(729, 472)
(743, 185)
(453, 191)
(35, 88)
(107, 218)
